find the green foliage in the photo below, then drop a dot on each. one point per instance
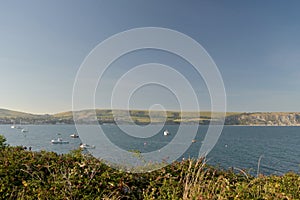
(2, 141)
(47, 175)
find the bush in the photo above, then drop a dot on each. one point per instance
(2, 141)
(47, 175)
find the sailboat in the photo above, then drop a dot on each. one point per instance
(24, 130)
(13, 126)
(166, 133)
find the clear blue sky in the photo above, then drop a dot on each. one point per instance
(255, 44)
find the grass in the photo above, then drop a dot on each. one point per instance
(47, 175)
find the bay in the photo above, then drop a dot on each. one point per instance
(241, 147)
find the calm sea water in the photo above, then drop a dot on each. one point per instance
(278, 148)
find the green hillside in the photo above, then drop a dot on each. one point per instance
(111, 116)
(145, 117)
(9, 116)
(4, 113)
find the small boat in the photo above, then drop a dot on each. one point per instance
(13, 126)
(24, 130)
(86, 146)
(166, 132)
(16, 126)
(193, 141)
(59, 141)
(74, 135)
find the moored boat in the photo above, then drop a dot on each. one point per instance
(166, 132)
(59, 141)
(87, 146)
(74, 135)
(24, 130)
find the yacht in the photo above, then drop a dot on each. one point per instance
(59, 141)
(74, 135)
(14, 125)
(86, 146)
(24, 130)
(166, 132)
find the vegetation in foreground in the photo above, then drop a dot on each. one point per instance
(47, 175)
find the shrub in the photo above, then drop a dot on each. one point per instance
(47, 175)
(2, 141)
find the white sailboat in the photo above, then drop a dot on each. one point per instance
(166, 133)
(24, 130)
(13, 126)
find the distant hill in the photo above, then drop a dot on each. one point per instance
(4, 113)
(10, 116)
(109, 116)
(143, 117)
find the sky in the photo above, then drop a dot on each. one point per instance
(255, 45)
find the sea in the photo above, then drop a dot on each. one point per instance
(253, 149)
